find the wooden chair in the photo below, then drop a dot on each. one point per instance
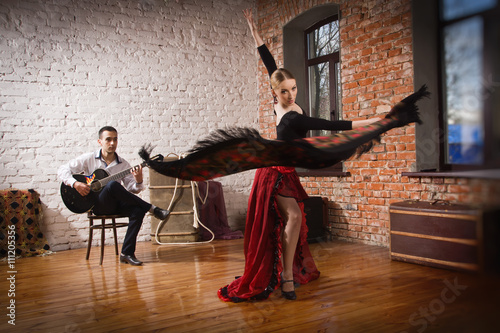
(103, 226)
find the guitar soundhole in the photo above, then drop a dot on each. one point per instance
(95, 186)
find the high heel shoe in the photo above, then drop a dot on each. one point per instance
(290, 295)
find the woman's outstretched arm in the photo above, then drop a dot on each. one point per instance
(253, 27)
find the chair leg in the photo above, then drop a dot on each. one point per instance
(103, 233)
(116, 237)
(91, 232)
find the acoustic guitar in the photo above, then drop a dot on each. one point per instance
(77, 203)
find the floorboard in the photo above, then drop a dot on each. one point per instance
(360, 290)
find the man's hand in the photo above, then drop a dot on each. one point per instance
(81, 188)
(137, 173)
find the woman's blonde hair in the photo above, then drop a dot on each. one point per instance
(279, 76)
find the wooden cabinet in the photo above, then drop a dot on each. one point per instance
(445, 235)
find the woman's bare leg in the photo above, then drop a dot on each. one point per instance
(292, 214)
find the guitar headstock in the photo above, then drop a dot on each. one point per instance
(158, 158)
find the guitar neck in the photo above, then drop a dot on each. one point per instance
(119, 175)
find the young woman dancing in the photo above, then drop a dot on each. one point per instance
(276, 250)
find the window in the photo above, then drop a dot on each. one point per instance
(455, 54)
(462, 37)
(322, 66)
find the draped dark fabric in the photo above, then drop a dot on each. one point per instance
(212, 212)
(234, 150)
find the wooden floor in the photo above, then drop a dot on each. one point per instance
(360, 290)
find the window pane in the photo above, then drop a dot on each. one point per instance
(319, 93)
(453, 9)
(463, 50)
(323, 41)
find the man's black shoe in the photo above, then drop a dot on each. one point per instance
(160, 214)
(130, 259)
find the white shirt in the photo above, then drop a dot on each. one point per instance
(87, 163)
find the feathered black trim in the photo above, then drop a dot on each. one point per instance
(415, 97)
(406, 111)
(145, 152)
(223, 136)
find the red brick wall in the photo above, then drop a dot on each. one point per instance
(376, 72)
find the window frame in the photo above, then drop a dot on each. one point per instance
(442, 24)
(331, 59)
(429, 69)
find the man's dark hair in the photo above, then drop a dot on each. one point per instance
(107, 128)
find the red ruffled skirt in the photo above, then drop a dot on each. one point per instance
(262, 244)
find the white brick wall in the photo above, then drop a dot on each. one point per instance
(164, 72)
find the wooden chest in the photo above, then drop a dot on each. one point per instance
(444, 235)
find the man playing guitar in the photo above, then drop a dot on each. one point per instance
(117, 196)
